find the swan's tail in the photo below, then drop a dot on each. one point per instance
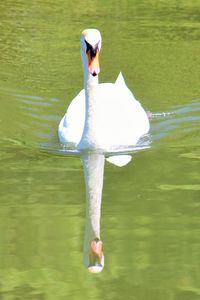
(119, 160)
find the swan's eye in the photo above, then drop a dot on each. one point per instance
(92, 50)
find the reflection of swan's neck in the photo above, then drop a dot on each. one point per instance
(89, 139)
(93, 171)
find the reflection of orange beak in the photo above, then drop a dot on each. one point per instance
(96, 252)
(93, 63)
(96, 258)
(96, 247)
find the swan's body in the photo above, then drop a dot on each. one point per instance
(101, 117)
(120, 119)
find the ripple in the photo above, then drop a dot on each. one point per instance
(185, 187)
(179, 120)
(43, 122)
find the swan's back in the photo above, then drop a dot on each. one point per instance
(121, 120)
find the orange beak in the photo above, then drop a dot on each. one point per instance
(93, 63)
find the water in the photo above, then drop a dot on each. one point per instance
(150, 221)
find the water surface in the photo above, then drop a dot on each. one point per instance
(150, 215)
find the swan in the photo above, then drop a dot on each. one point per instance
(102, 116)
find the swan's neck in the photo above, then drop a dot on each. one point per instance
(93, 164)
(90, 85)
(89, 136)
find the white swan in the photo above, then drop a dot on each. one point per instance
(102, 116)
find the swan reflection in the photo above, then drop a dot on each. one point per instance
(93, 165)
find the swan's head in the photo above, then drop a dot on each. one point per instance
(96, 257)
(90, 48)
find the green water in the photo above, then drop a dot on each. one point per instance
(150, 222)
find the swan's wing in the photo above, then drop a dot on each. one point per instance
(120, 79)
(120, 83)
(71, 126)
(122, 120)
